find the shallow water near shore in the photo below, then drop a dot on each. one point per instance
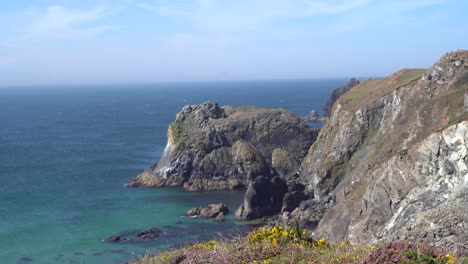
(66, 154)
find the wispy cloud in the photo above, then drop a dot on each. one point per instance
(248, 15)
(59, 22)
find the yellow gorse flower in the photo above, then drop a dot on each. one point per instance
(450, 258)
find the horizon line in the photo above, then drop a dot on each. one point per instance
(50, 85)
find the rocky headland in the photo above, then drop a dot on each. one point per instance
(337, 93)
(391, 162)
(218, 148)
(313, 116)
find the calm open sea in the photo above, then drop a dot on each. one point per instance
(67, 152)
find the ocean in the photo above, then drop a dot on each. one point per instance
(66, 153)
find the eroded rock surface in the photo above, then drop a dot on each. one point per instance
(209, 211)
(264, 197)
(214, 148)
(393, 159)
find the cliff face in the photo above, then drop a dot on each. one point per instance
(212, 148)
(337, 93)
(393, 158)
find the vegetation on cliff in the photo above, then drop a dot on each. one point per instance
(337, 93)
(392, 158)
(390, 164)
(294, 246)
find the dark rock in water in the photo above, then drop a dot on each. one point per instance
(264, 197)
(218, 148)
(327, 108)
(219, 217)
(149, 234)
(115, 238)
(209, 211)
(193, 211)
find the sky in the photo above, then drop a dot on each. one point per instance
(144, 41)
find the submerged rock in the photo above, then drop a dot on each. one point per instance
(149, 234)
(115, 238)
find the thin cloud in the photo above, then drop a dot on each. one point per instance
(246, 14)
(249, 15)
(59, 22)
(321, 8)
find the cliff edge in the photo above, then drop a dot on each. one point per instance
(392, 160)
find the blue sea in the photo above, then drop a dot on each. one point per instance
(66, 153)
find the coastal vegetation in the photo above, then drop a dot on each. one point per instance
(389, 165)
(293, 245)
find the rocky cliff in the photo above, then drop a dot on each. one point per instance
(337, 93)
(212, 148)
(392, 160)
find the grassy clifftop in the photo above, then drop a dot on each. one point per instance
(372, 89)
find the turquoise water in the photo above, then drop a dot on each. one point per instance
(67, 152)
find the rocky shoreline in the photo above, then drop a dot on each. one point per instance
(390, 162)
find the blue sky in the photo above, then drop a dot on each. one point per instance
(144, 41)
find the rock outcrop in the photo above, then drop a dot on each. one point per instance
(209, 211)
(314, 117)
(214, 148)
(392, 160)
(264, 197)
(337, 93)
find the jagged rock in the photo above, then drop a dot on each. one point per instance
(282, 163)
(209, 211)
(327, 108)
(394, 154)
(264, 197)
(214, 148)
(219, 217)
(292, 200)
(314, 117)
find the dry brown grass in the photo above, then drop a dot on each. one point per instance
(372, 89)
